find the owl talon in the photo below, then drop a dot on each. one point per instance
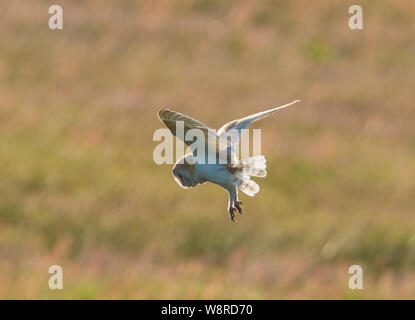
(238, 206)
(232, 213)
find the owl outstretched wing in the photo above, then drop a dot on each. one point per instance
(170, 119)
(243, 123)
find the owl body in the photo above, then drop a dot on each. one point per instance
(193, 173)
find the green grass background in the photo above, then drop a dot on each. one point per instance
(79, 188)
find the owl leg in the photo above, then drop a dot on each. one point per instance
(238, 203)
(231, 204)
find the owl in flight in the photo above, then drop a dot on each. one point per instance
(231, 174)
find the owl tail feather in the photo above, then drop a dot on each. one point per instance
(246, 185)
(254, 166)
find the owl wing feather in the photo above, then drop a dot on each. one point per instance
(233, 129)
(170, 119)
(244, 123)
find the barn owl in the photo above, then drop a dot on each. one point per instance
(189, 171)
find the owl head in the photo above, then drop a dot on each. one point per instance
(184, 170)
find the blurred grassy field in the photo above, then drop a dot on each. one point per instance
(79, 188)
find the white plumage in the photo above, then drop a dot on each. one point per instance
(235, 173)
